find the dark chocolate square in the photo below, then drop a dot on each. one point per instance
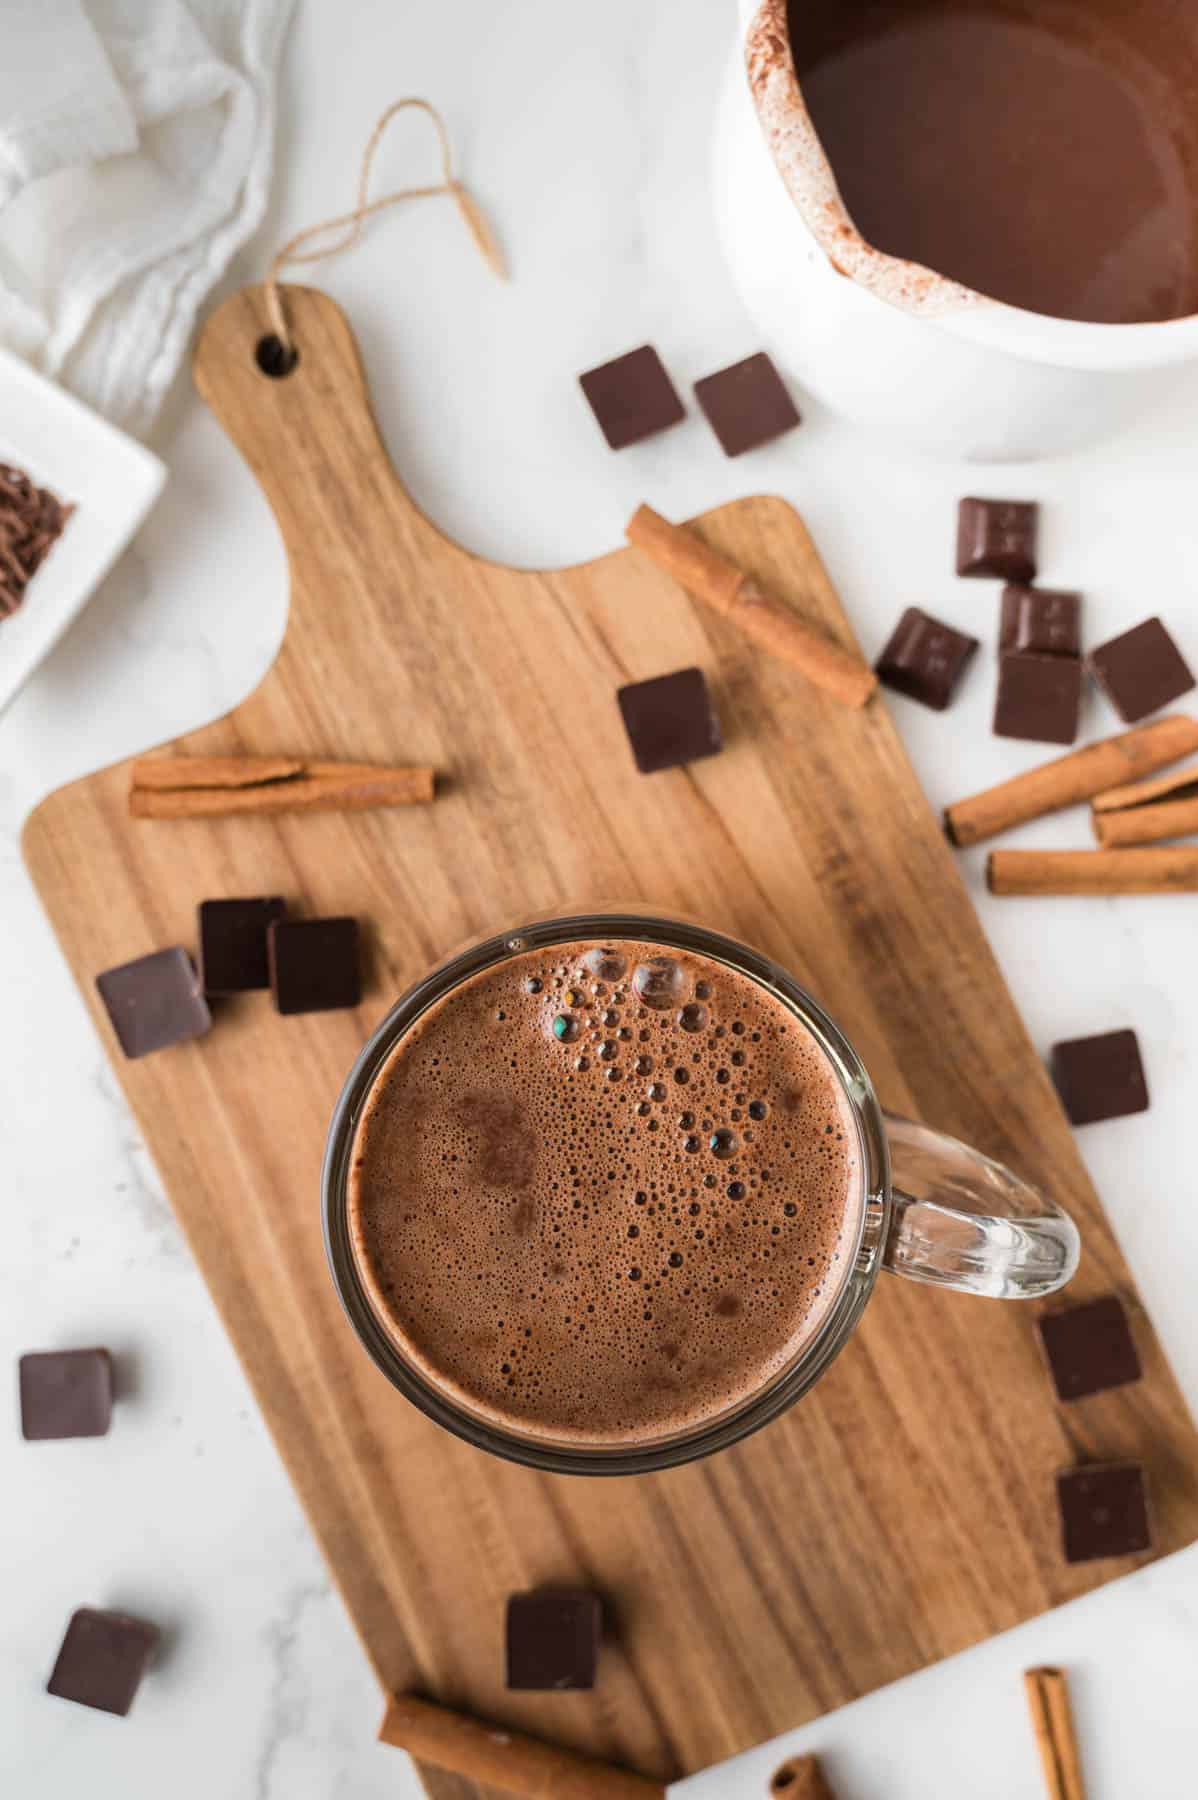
(1089, 1348)
(103, 1658)
(1104, 1511)
(314, 964)
(154, 1002)
(747, 404)
(1100, 1077)
(65, 1393)
(997, 537)
(233, 955)
(1039, 697)
(1140, 670)
(1043, 620)
(553, 1638)
(632, 397)
(925, 659)
(670, 720)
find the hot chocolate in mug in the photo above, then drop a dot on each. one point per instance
(608, 1191)
(1085, 200)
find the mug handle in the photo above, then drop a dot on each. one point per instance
(961, 1221)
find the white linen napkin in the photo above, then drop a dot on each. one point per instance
(135, 151)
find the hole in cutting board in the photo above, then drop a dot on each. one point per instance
(274, 357)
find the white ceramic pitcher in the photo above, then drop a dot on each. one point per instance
(886, 342)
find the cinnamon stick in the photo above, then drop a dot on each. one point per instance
(1052, 1721)
(1147, 824)
(169, 772)
(801, 1778)
(1180, 783)
(1172, 870)
(211, 787)
(766, 620)
(1068, 780)
(496, 1757)
(1147, 811)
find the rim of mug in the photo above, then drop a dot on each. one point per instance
(1076, 343)
(564, 1456)
(908, 286)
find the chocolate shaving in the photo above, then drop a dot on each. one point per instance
(31, 522)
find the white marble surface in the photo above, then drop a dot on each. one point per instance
(587, 131)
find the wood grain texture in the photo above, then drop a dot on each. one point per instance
(905, 1509)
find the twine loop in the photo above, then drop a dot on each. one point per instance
(350, 224)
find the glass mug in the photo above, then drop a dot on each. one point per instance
(932, 1209)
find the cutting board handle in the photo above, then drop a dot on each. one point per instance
(309, 435)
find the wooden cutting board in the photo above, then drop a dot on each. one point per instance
(903, 1510)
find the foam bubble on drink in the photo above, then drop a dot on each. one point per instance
(518, 1144)
(661, 982)
(604, 963)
